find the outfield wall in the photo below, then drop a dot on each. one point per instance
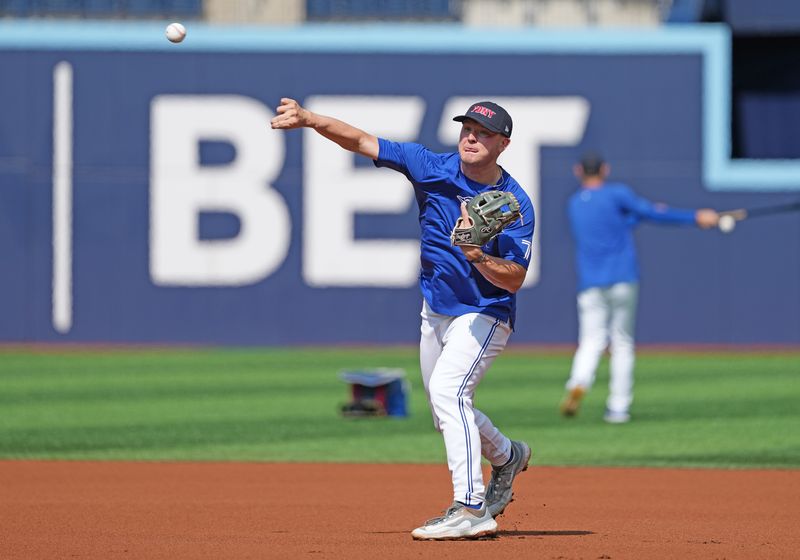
(144, 197)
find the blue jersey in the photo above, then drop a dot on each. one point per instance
(602, 221)
(449, 283)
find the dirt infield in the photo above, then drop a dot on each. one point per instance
(262, 510)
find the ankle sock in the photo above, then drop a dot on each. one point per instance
(510, 457)
(474, 506)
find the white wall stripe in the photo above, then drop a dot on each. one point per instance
(62, 197)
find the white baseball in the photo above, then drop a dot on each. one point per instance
(176, 32)
(726, 223)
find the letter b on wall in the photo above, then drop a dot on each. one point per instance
(181, 188)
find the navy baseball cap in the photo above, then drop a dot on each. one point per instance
(591, 162)
(491, 115)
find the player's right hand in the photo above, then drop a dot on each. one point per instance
(290, 115)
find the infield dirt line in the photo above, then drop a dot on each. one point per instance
(102, 510)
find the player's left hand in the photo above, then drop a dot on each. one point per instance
(472, 252)
(483, 217)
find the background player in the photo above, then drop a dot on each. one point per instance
(602, 217)
(469, 298)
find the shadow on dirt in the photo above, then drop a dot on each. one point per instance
(543, 533)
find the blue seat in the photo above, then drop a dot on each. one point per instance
(383, 9)
(145, 8)
(54, 7)
(685, 11)
(186, 8)
(15, 8)
(103, 8)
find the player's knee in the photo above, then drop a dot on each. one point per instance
(442, 395)
(593, 346)
(436, 425)
(622, 343)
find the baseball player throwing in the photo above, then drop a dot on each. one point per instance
(468, 285)
(603, 216)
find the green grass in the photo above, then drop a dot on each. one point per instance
(737, 410)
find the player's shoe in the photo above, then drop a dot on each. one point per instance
(616, 416)
(458, 522)
(498, 492)
(572, 401)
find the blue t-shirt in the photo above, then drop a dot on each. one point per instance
(602, 221)
(449, 283)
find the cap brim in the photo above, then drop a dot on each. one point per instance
(462, 118)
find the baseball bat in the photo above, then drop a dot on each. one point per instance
(744, 213)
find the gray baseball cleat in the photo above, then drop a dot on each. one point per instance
(499, 493)
(458, 522)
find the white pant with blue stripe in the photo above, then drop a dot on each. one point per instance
(455, 353)
(607, 315)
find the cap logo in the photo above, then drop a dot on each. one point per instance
(480, 109)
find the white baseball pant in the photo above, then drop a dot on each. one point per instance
(455, 353)
(607, 314)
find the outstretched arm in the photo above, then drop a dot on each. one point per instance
(704, 218)
(292, 115)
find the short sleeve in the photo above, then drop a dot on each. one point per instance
(415, 161)
(516, 242)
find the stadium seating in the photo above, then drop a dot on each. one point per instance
(326, 10)
(101, 8)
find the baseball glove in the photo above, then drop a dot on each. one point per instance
(490, 212)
